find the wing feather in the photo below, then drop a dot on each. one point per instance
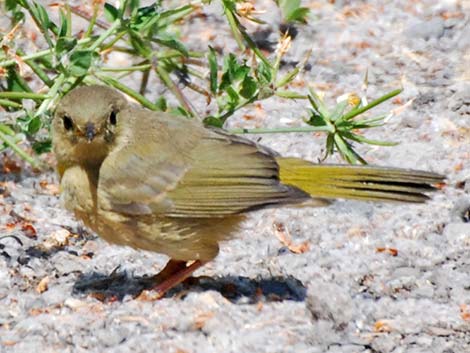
(184, 170)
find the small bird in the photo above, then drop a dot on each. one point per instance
(167, 184)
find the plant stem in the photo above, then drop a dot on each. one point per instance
(165, 77)
(37, 70)
(22, 95)
(255, 48)
(52, 95)
(10, 143)
(142, 67)
(131, 93)
(232, 21)
(280, 130)
(9, 103)
(238, 107)
(37, 55)
(92, 23)
(356, 112)
(105, 35)
(290, 94)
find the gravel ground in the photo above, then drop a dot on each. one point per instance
(375, 277)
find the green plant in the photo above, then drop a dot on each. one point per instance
(149, 35)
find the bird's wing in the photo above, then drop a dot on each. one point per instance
(230, 175)
(145, 164)
(195, 173)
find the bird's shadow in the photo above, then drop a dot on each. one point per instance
(237, 289)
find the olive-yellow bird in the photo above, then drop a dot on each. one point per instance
(167, 184)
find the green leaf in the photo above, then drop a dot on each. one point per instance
(362, 139)
(110, 12)
(42, 146)
(139, 44)
(292, 11)
(348, 125)
(18, 16)
(213, 69)
(230, 62)
(229, 5)
(63, 24)
(234, 98)
(180, 111)
(361, 109)
(16, 13)
(22, 3)
(316, 120)
(80, 62)
(134, 5)
(330, 144)
(225, 81)
(173, 44)
(368, 123)
(289, 77)
(344, 149)
(65, 45)
(240, 73)
(161, 104)
(15, 83)
(145, 18)
(264, 74)
(318, 104)
(41, 15)
(213, 121)
(34, 125)
(46, 61)
(11, 5)
(298, 15)
(248, 88)
(170, 16)
(233, 71)
(338, 110)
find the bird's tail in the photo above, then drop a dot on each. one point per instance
(358, 182)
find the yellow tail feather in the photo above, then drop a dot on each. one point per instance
(358, 182)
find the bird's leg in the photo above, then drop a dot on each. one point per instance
(174, 273)
(172, 267)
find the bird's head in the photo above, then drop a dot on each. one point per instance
(86, 122)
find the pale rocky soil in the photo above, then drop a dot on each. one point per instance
(343, 294)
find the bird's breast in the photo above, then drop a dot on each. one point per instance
(78, 193)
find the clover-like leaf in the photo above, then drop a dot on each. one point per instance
(80, 62)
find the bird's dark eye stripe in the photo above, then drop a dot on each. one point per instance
(112, 118)
(68, 123)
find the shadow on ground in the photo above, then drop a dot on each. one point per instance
(237, 289)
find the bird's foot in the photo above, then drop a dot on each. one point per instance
(174, 273)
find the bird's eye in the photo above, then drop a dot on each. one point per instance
(112, 118)
(68, 123)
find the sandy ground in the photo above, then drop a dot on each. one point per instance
(375, 277)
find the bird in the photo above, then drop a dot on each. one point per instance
(171, 185)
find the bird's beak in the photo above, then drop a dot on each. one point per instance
(90, 132)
